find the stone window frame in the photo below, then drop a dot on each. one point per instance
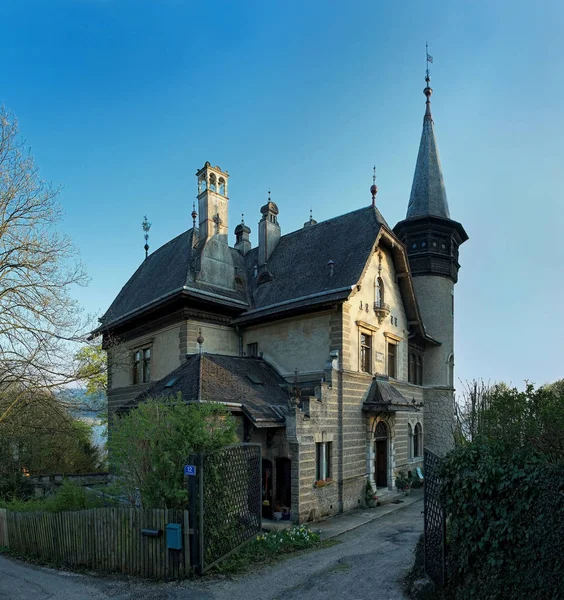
(141, 368)
(323, 458)
(414, 454)
(394, 340)
(369, 330)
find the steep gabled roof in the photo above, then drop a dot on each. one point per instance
(249, 382)
(165, 272)
(299, 265)
(298, 269)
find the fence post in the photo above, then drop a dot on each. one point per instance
(195, 499)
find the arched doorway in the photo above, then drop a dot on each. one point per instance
(381, 454)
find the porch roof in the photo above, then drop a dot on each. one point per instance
(384, 397)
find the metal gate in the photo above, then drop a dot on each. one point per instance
(225, 498)
(435, 529)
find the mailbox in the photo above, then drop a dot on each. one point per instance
(174, 536)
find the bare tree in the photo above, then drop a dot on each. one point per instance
(469, 409)
(40, 322)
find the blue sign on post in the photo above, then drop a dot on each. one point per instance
(189, 470)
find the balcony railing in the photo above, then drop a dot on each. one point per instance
(382, 310)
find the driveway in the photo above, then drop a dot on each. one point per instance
(368, 563)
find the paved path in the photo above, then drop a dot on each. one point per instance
(367, 564)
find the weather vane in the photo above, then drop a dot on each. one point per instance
(429, 60)
(146, 226)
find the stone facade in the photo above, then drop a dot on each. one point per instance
(357, 319)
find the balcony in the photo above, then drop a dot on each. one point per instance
(382, 310)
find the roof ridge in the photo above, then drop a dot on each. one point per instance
(328, 221)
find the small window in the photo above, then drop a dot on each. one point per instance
(136, 367)
(365, 353)
(141, 367)
(323, 460)
(252, 349)
(415, 369)
(392, 360)
(417, 441)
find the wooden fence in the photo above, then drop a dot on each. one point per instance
(102, 539)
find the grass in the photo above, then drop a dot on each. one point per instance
(271, 547)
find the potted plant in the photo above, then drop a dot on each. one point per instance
(401, 481)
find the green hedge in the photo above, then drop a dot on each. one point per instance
(505, 524)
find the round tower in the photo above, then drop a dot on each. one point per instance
(432, 240)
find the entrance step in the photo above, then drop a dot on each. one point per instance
(389, 497)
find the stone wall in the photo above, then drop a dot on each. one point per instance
(165, 357)
(218, 338)
(301, 343)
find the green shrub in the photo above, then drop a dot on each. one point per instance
(505, 527)
(149, 446)
(68, 497)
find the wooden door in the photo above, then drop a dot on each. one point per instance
(381, 463)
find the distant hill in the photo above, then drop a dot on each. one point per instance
(81, 405)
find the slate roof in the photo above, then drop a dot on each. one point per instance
(251, 382)
(168, 270)
(384, 397)
(428, 193)
(298, 265)
(298, 269)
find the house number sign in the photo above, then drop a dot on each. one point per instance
(189, 470)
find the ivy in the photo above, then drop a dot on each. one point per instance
(505, 523)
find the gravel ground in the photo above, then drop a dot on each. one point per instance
(370, 562)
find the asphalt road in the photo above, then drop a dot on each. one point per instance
(369, 563)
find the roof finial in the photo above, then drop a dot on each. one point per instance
(269, 194)
(428, 91)
(310, 215)
(194, 215)
(374, 187)
(146, 226)
(242, 218)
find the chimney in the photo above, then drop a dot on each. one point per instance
(242, 241)
(269, 231)
(212, 202)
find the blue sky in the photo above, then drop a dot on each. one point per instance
(123, 100)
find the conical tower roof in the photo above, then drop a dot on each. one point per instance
(428, 194)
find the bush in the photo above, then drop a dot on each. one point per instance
(149, 446)
(504, 523)
(68, 497)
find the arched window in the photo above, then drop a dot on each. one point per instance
(213, 182)
(378, 292)
(417, 440)
(221, 186)
(409, 441)
(202, 185)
